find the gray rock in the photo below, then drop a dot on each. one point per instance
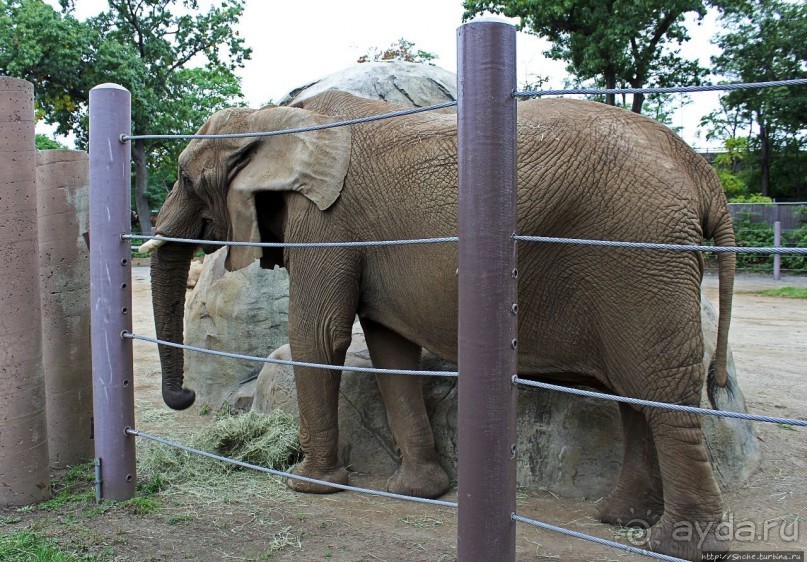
(568, 445)
(405, 83)
(243, 312)
(194, 272)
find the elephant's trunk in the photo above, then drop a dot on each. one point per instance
(169, 276)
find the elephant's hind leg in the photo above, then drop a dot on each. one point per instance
(693, 506)
(419, 474)
(637, 500)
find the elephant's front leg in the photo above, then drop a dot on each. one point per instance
(321, 313)
(318, 397)
(419, 474)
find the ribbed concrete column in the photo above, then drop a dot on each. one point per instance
(24, 475)
(63, 191)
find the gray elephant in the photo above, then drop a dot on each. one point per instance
(620, 320)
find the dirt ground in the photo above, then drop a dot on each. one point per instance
(769, 340)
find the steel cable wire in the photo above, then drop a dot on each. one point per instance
(272, 471)
(598, 540)
(656, 246)
(358, 121)
(373, 370)
(727, 87)
(663, 405)
(670, 90)
(786, 250)
(367, 243)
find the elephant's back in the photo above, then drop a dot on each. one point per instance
(588, 170)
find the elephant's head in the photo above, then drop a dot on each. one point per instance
(224, 192)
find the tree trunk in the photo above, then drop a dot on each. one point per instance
(610, 83)
(638, 102)
(141, 184)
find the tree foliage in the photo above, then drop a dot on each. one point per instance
(44, 142)
(177, 61)
(731, 167)
(613, 43)
(766, 40)
(399, 50)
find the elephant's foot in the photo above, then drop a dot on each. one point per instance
(425, 480)
(685, 539)
(336, 475)
(631, 511)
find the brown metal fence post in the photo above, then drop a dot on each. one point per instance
(487, 290)
(110, 289)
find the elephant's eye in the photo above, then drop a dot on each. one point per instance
(186, 182)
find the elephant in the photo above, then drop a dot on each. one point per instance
(624, 321)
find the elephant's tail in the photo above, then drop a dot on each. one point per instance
(720, 398)
(722, 232)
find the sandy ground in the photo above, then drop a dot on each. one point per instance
(769, 341)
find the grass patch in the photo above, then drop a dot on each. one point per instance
(787, 292)
(74, 487)
(264, 440)
(28, 546)
(177, 519)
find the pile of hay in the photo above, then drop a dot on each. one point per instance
(264, 440)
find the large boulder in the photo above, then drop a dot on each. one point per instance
(567, 444)
(243, 312)
(405, 83)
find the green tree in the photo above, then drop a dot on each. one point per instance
(615, 43)
(170, 39)
(53, 51)
(177, 61)
(44, 142)
(399, 50)
(731, 169)
(767, 40)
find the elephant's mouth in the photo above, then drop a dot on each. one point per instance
(209, 232)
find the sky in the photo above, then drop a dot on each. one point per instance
(295, 43)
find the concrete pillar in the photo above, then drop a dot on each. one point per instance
(24, 475)
(63, 190)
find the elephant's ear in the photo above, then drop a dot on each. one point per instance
(313, 163)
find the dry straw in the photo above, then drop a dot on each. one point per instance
(264, 440)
